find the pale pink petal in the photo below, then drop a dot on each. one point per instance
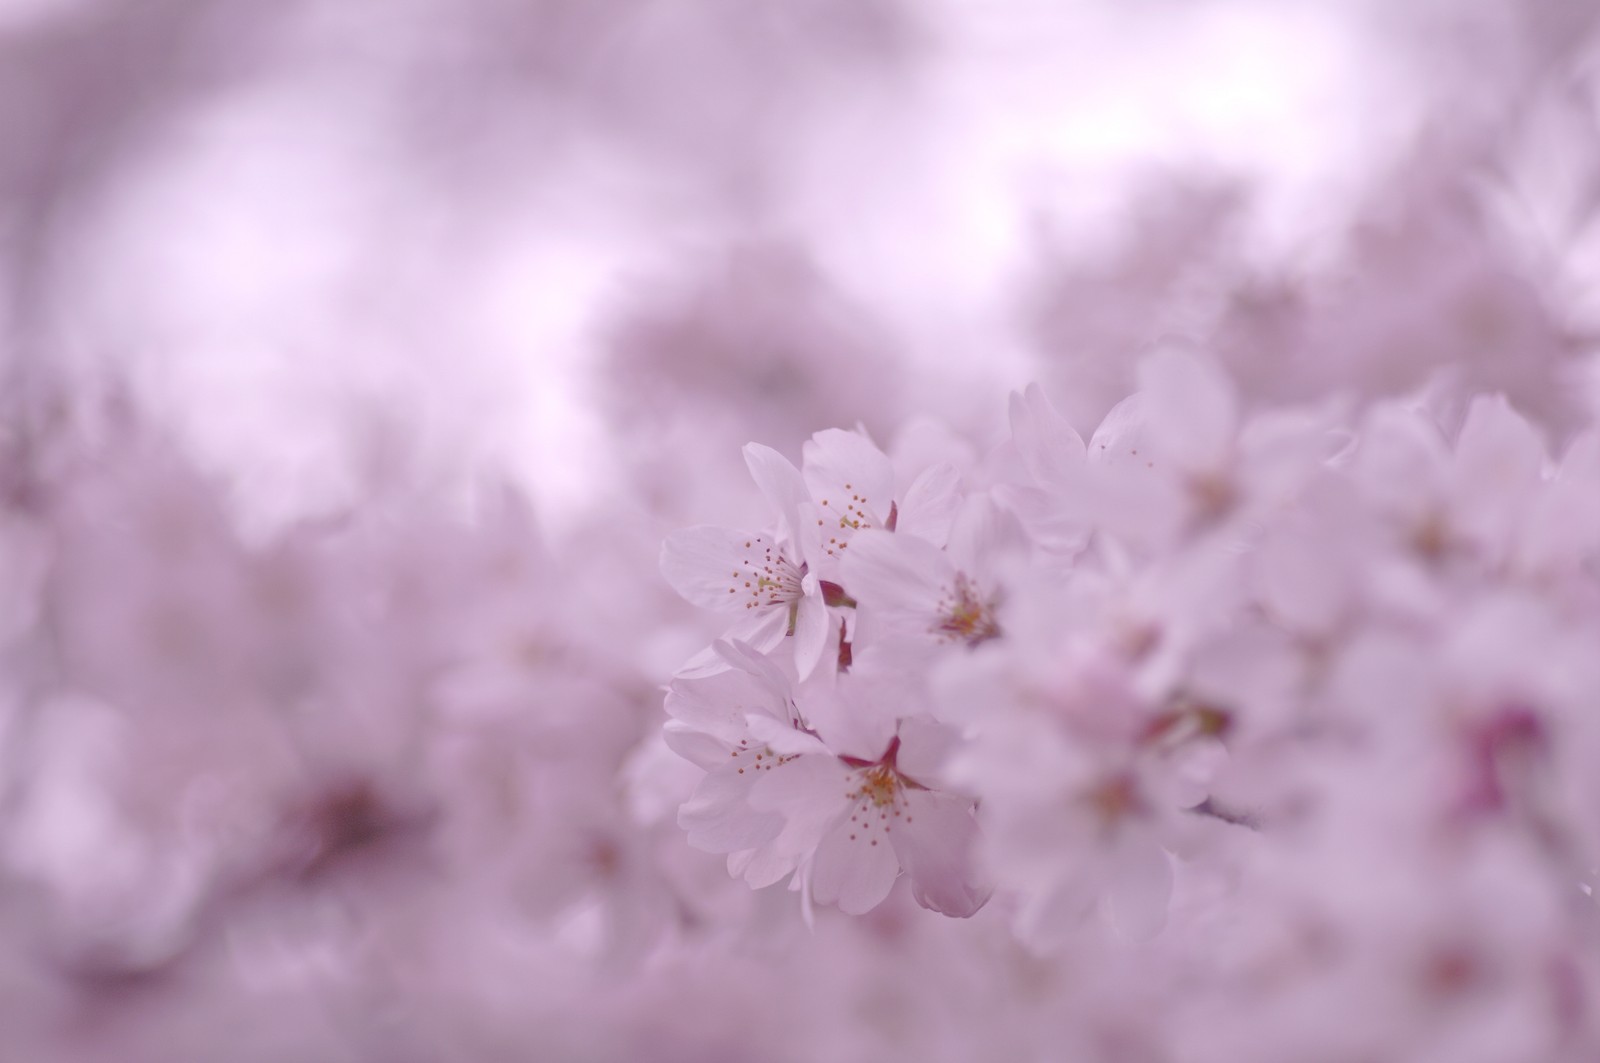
(763, 866)
(1050, 449)
(1498, 448)
(719, 818)
(781, 737)
(779, 481)
(1139, 885)
(1048, 917)
(854, 872)
(1499, 463)
(1280, 448)
(1131, 486)
(761, 629)
(808, 538)
(1191, 408)
(1307, 568)
(982, 537)
(849, 478)
(755, 663)
(1402, 460)
(1562, 525)
(1123, 433)
(705, 564)
(810, 632)
(925, 747)
(934, 844)
(809, 793)
(1057, 525)
(929, 504)
(695, 745)
(1191, 771)
(885, 570)
(718, 704)
(807, 782)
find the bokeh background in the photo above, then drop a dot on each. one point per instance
(356, 355)
(553, 236)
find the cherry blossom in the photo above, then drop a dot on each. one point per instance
(912, 594)
(869, 818)
(782, 531)
(764, 578)
(781, 799)
(855, 488)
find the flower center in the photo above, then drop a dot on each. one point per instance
(852, 514)
(875, 805)
(879, 785)
(1114, 800)
(768, 577)
(876, 800)
(965, 615)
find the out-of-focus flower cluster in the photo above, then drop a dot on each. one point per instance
(399, 665)
(1219, 728)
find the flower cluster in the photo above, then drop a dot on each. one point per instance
(1335, 665)
(1257, 723)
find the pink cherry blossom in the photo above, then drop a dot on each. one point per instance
(780, 799)
(763, 578)
(913, 593)
(867, 820)
(854, 530)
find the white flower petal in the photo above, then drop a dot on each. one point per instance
(762, 867)
(849, 477)
(810, 633)
(718, 816)
(934, 843)
(1402, 460)
(1051, 451)
(781, 737)
(885, 571)
(1140, 885)
(718, 704)
(761, 629)
(809, 793)
(1191, 410)
(694, 745)
(929, 504)
(780, 483)
(854, 873)
(706, 564)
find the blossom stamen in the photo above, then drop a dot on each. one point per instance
(856, 515)
(965, 615)
(768, 576)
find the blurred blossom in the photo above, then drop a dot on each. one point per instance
(799, 529)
